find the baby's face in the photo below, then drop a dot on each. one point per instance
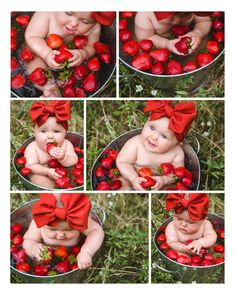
(61, 232)
(156, 137)
(49, 132)
(185, 224)
(75, 23)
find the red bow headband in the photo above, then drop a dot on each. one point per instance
(104, 18)
(197, 205)
(166, 14)
(76, 209)
(40, 111)
(181, 115)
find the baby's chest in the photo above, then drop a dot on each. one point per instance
(154, 160)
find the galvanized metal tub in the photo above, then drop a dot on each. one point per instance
(74, 138)
(187, 273)
(191, 158)
(23, 216)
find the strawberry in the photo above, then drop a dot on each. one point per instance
(68, 91)
(80, 72)
(209, 257)
(204, 59)
(89, 83)
(75, 250)
(116, 184)
(142, 172)
(125, 35)
(206, 262)
(54, 41)
(113, 154)
(14, 64)
(61, 252)
(220, 232)
(148, 183)
(218, 260)
(40, 270)
(61, 171)
(62, 182)
(174, 68)
(13, 44)
(188, 242)
(26, 54)
(216, 14)
(142, 61)
(79, 166)
(49, 146)
(79, 92)
(80, 41)
(196, 259)
(53, 163)
(203, 251)
(183, 45)
(219, 36)
(74, 266)
(146, 45)
(190, 66)
(77, 172)
(18, 240)
(103, 186)
(105, 57)
(172, 254)
(188, 181)
(164, 246)
(46, 255)
(64, 55)
(123, 24)
(107, 162)
(81, 160)
(94, 64)
(13, 249)
(213, 47)
(19, 256)
(180, 30)
(183, 259)
(180, 172)
(167, 168)
(217, 25)
(160, 54)
(65, 80)
(127, 14)
(113, 173)
(23, 20)
(78, 150)
(131, 47)
(79, 180)
(158, 68)
(72, 259)
(100, 171)
(63, 266)
(180, 186)
(18, 81)
(17, 228)
(23, 267)
(101, 47)
(219, 248)
(25, 171)
(38, 76)
(161, 238)
(21, 150)
(13, 33)
(21, 161)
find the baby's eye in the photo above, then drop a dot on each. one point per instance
(57, 131)
(152, 128)
(43, 131)
(68, 13)
(164, 136)
(84, 21)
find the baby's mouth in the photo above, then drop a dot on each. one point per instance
(151, 144)
(69, 30)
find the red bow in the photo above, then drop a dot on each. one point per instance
(181, 115)
(76, 209)
(40, 111)
(197, 205)
(165, 14)
(104, 18)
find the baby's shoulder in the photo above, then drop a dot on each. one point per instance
(31, 146)
(135, 139)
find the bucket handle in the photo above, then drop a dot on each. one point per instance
(155, 264)
(197, 143)
(102, 212)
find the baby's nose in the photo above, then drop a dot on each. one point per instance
(74, 21)
(50, 135)
(155, 136)
(60, 235)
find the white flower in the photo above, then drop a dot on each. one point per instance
(139, 88)
(110, 204)
(109, 196)
(209, 123)
(202, 124)
(154, 92)
(206, 133)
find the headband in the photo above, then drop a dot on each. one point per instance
(104, 18)
(166, 14)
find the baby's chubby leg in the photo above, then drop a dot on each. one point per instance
(42, 180)
(126, 185)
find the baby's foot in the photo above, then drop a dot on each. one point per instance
(51, 90)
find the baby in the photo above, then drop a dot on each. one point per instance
(159, 142)
(189, 223)
(59, 220)
(67, 25)
(157, 26)
(50, 126)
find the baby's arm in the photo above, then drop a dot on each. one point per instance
(94, 238)
(65, 155)
(32, 241)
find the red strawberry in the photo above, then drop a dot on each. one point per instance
(164, 246)
(64, 55)
(206, 262)
(107, 162)
(220, 232)
(49, 146)
(63, 266)
(219, 36)
(13, 33)
(127, 14)
(131, 47)
(195, 259)
(216, 14)
(38, 76)
(46, 255)
(53, 163)
(19, 256)
(23, 20)
(180, 30)
(18, 240)
(80, 72)
(14, 64)
(13, 44)
(158, 68)
(62, 182)
(40, 270)
(100, 172)
(125, 35)
(25, 171)
(172, 254)
(61, 252)
(77, 172)
(81, 160)
(174, 68)
(149, 183)
(79, 166)
(101, 47)
(142, 172)
(180, 186)
(180, 172)
(79, 180)
(146, 45)
(190, 66)
(94, 64)
(188, 181)
(113, 154)
(63, 80)
(188, 242)
(54, 41)
(213, 47)
(26, 54)
(61, 171)
(116, 184)
(161, 238)
(17, 228)
(123, 23)
(183, 259)
(219, 248)
(68, 91)
(167, 168)
(217, 25)
(105, 57)
(18, 81)
(209, 257)
(79, 92)
(89, 83)
(21, 150)
(103, 186)
(203, 251)
(74, 266)
(21, 161)
(113, 173)
(204, 59)
(78, 150)
(23, 267)
(183, 45)
(80, 41)
(160, 54)
(75, 250)
(218, 260)
(142, 61)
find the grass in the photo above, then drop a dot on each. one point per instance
(159, 215)
(126, 232)
(22, 129)
(106, 120)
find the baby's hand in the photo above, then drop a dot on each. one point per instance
(160, 182)
(52, 174)
(36, 250)
(84, 260)
(196, 40)
(57, 153)
(194, 246)
(170, 45)
(136, 183)
(77, 58)
(49, 59)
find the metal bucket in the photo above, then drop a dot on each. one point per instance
(74, 138)
(23, 216)
(191, 159)
(108, 36)
(186, 273)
